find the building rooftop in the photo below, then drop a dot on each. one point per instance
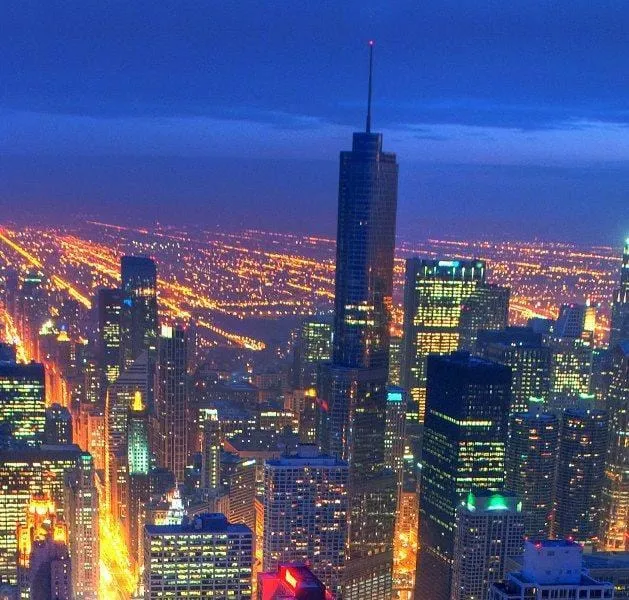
(204, 523)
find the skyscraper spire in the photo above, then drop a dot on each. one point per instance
(369, 94)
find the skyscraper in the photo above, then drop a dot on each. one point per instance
(58, 427)
(139, 318)
(171, 398)
(531, 466)
(305, 513)
(211, 445)
(615, 529)
(23, 400)
(620, 306)
(207, 557)
(463, 449)
(120, 397)
(445, 303)
(81, 512)
(109, 332)
(313, 347)
(353, 387)
(523, 350)
(580, 473)
(291, 581)
(489, 529)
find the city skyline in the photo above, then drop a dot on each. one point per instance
(527, 131)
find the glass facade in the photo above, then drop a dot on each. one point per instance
(463, 449)
(23, 400)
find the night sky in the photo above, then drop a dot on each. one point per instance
(509, 119)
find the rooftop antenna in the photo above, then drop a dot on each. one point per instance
(371, 42)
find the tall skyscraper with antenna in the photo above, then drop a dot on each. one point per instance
(353, 387)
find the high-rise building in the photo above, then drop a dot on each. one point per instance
(313, 347)
(291, 581)
(576, 321)
(23, 400)
(120, 397)
(395, 439)
(395, 360)
(570, 366)
(81, 511)
(463, 449)
(109, 332)
(305, 513)
(238, 477)
(171, 399)
(551, 569)
(580, 473)
(207, 557)
(489, 529)
(523, 350)
(25, 472)
(531, 466)
(139, 319)
(620, 305)
(445, 303)
(615, 524)
(353, 388)
(138, 461)
(58, 426)
(211, 445)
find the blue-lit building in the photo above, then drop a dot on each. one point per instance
(352, 388)
(620, 306)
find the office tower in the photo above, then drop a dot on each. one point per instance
(51, 571)
(576, 321)
(395, 360)
(445, 303)
(291, 581)
(523, 350)
(120, 396)
(550, 569)
(394, 439)
(620, 305)
(305, 513)
(531, 464)
(109, 332)
(580, 473)
(26, 472)
(81, 512)
(353, 387)
(23, 400)
(463, 449)
(489, 529)
(238, 476)
(58, 425)
(32, 311)
(211, 446)
(313, 347)
(171, 398)
(138, 460)
(570, 365)
(615, 525)
(205, 557)
(139, 319)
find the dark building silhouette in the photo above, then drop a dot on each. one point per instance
(463, 449)
(620, 306)
(353, 387)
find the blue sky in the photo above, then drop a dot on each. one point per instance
(508, 118)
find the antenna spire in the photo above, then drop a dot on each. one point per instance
(369, 93)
